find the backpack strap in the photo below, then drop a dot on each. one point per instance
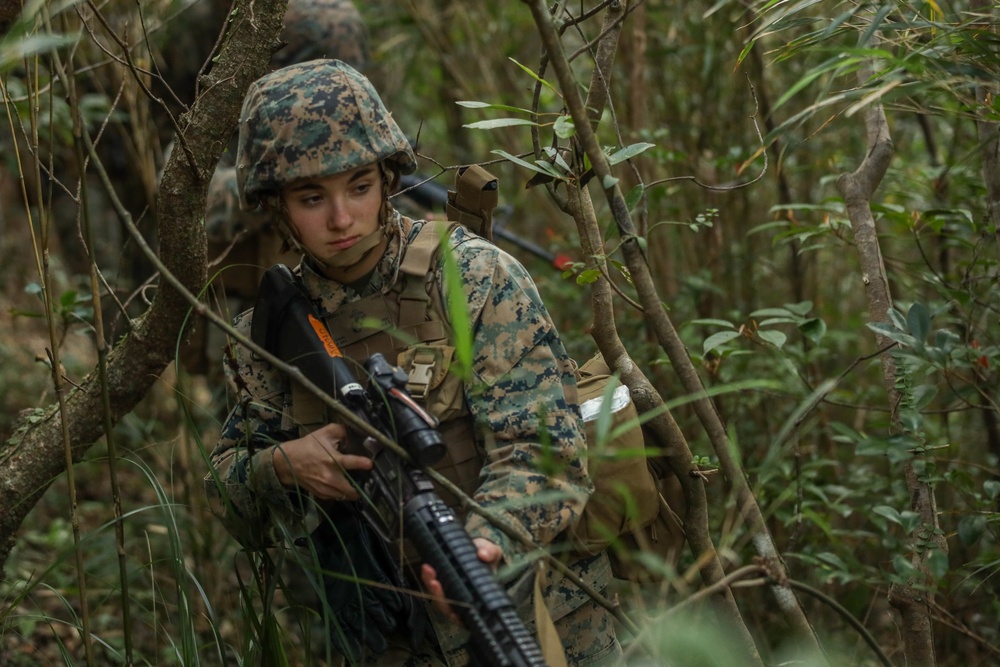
(471, 203)
(417, 270)
(419, 307)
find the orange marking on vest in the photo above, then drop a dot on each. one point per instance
(324, 335)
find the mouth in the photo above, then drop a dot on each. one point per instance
(343, 244)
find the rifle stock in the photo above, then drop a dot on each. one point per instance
(398, 496)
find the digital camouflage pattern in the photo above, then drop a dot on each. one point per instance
(522, 398)
(315, 29)
(312, 120)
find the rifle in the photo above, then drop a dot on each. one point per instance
(399, 497)
(433, 196)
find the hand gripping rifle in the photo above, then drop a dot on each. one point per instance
(397, 494)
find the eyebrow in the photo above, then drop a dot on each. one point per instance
(311, 183)
(361, 173)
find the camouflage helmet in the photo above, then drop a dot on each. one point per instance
(313, 120)
(323, 29)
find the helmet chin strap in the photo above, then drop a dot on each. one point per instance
(359, 251)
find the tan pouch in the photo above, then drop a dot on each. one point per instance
(440, 392)
(625, 496)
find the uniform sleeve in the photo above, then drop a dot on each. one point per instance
(242, 487)
(523, 398)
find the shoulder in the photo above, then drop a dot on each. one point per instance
(244, 321)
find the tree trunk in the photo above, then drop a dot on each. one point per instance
(33, 456)
(915, 599)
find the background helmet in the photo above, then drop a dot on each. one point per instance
(323, 29)
(223, 217)
(313, 120)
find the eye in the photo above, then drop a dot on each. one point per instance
(310, 199)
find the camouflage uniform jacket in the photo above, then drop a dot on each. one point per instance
(522, 398)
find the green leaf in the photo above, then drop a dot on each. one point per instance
(946, 340)
(897, 319)
(714, 322)
(910, 520)
(889, 513)
(458, 312)
(717, 339)
(937, 563)
(923, 395)
(628, 152)
(919, 321)
(67, 299)
(775, 338)
(778, 320)
(813, 329)
(527, 165)
(971, 528)
(838, 62)
(892, 333)
(486, 105)
(770, 312)
(802, 308)
(833, 561)
(565, 127)
(549, 169)
(17, 50)
(634, 195)
(609, 182)
(991, 488)
(903, 566)
(498, 122)
(588, 276)
(537, 78)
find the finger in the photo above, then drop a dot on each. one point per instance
(488, 552)
(333, 431)
(433, 586)
(352, 462)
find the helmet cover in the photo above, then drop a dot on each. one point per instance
(323, 29)
(313, 120)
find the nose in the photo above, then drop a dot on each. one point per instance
(339, 216)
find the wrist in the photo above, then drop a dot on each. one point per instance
(281, 466)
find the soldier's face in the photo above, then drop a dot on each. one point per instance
(333, 213)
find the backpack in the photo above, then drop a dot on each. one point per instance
(634, 507)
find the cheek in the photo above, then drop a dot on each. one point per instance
(370, 211)
(306, 222)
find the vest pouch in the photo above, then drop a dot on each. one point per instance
(660, 543)
(443, 395)
(440, 392)
(625, 498)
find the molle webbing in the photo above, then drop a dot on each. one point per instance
(389, 323)
(472, 201)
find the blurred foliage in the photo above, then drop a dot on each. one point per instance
(758, 271)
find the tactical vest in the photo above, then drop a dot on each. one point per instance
(408, 327)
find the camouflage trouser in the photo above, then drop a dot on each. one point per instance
(588, 636)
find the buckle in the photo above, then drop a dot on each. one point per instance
(420, 377)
